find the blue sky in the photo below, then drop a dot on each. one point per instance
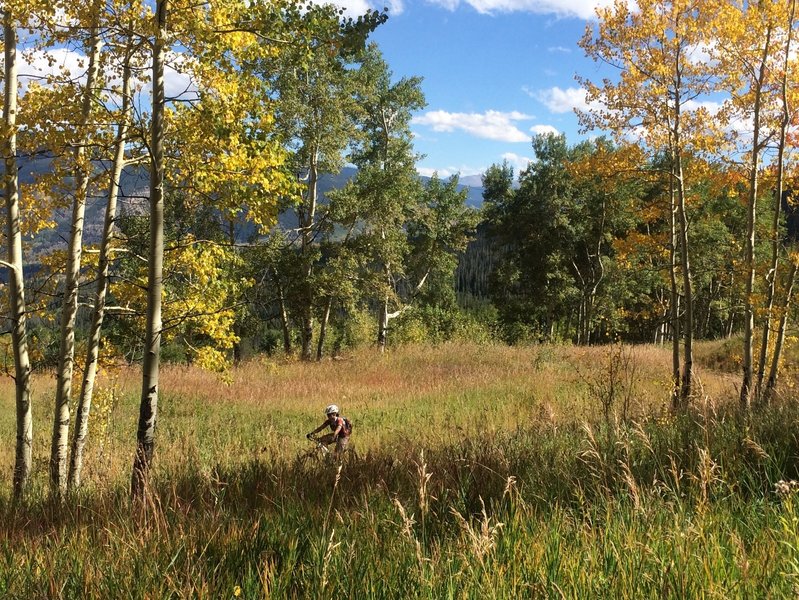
(495, 73)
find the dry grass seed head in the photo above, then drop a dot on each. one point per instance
(407, 520)
(643, 436)
(632, 486)
(482, 540)
(756, 448)
(708, 475)
(424, 479)
(328, 557)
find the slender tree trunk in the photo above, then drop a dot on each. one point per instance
(323, 328)
(731, 316)
(307, 240)
(771, 383)
(674, 304)
(771, 279)
(16, 282)
(284, 317)
(685, 264)
(382, 326)
(148, 410)
(775, 223)
(98, 314)
(69, 310)
(709, 311)
(236, 326)
(384, 316)
(749, 310)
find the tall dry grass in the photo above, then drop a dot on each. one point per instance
(429, 395)
(482, 472)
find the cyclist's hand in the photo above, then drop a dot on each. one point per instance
(309, 436)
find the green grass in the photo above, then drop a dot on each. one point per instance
(483, 472)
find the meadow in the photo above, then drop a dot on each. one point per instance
(481, 471)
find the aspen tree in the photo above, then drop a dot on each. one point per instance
(785, 115)
(656, 49)
(387, 175)
(99, 306)
(16, 285)
(316, 107)
(746, 35)
(148, 408)
(69, 310)
(223, 156)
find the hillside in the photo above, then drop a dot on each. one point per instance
(135, 191)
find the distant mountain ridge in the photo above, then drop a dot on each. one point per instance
(474, 197)
(134, 192)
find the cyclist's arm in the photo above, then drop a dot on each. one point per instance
(318, 429)
(336, 432)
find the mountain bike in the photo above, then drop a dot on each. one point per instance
(318, 454)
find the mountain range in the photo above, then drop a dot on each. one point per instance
(134, 191)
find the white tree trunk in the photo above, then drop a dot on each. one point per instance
(754, 166)
(98, 314)
(674, 297)
(148, 408)
(775, 224)
(309, 213)
(16, 285)
(69, 309)
(771, 383)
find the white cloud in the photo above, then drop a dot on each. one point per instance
(704, 53)
(429, 172)
(543, 129)
(560, 49)
(446, 172)
(583, 9)
(558, 100)
(710, 106)
(57, 63)
(178, 82)
(61, 63)
(354, 8)
(519, 163)
(491, 125)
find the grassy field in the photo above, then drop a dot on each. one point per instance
(481, 472)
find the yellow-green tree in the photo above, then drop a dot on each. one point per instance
(148, 406)
(221, 154)
(746, 54)
(82, 135)
(786, 115)
(661, 71)
(124, 117)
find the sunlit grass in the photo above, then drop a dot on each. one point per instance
(483, 471)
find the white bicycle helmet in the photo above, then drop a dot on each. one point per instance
(332, 409)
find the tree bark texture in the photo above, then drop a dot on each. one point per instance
(779, 342)
(98, 314)
(749, 310)
(775, 223)
(309, 215)
(674, 303)
(16, 284)
(148, 409)
(323, 328)
(69, 308)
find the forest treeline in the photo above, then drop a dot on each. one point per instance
(672, 228)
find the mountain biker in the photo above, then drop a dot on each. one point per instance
(339, 425)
